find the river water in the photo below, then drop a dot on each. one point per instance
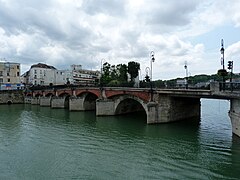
(43, 143)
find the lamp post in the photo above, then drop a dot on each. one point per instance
(222, 72)
(151, 61)
(147, 70)
(149, 80)
(185, 66)
(222, 52)
(101, 72)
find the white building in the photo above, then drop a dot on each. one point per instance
(83, 76)
(63, 77)
(41, 74)
(44, 75)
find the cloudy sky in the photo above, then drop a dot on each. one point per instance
(88, 32)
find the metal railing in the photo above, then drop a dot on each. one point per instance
(227, 86)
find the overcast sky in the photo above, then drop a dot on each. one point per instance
(86, 32)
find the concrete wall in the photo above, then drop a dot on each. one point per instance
(105, 107)
(59, 102)
(35, 101)
(169, 109)
(185, 108)
(234, 115)
(76, 104)
(45, 101)
(27, 100)
(15, 97)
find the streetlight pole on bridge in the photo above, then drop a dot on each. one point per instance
(222, 52)
(186, 68)
(151, 61)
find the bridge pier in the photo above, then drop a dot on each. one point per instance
(105, 107)
(60, 102)
(169, 109)
(76, 104)
(35, 101)
(27, 100)
(45, 101)
(234, 115)
(81, 104)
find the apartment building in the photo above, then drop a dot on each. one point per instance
(44, 75)
(10, 76)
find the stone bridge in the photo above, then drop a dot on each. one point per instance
(159, 105)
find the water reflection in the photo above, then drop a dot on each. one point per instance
(43, 143)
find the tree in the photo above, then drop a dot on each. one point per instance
(113, 72)
(133, 68)
(122, 70)
(105, 77)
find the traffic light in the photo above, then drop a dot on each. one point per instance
(230, 65)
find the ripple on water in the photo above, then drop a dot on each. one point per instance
(43, 143)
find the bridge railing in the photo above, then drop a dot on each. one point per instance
(229, 86)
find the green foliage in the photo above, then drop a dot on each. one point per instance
(222, 72)
(118, 75)
(193, 80)
(133, 68)
(122, 70)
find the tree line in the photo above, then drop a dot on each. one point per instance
(119, 75)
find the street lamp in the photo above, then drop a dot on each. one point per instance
(222, 52)
(149, 80)
(222, 72)
(152, 60)
(185, 66)
(147, 77)
(101, 71)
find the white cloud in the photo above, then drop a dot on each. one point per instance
(84, 32)
(233, 51)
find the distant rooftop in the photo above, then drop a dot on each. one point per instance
(41, 65)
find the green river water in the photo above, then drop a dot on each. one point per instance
(43, 143)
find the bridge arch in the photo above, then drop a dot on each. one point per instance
(38, 95)
(64, 94)
(49, 94)
(88, 100)
(125, 104)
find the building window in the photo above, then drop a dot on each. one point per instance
(40, 71)
(35, 76)
(35, 71)
(1, 80)
(35, 82)
(18, 74)
(8, 74)
(8, 80)
(17, 67)
(1, 73)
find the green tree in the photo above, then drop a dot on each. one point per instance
(133, 68)
(122, 70)
(113, 72)
(106, 72)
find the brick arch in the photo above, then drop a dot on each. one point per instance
(38, 95)
(145, 96)
(64, 94)
(82, 92)
(49, 94)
